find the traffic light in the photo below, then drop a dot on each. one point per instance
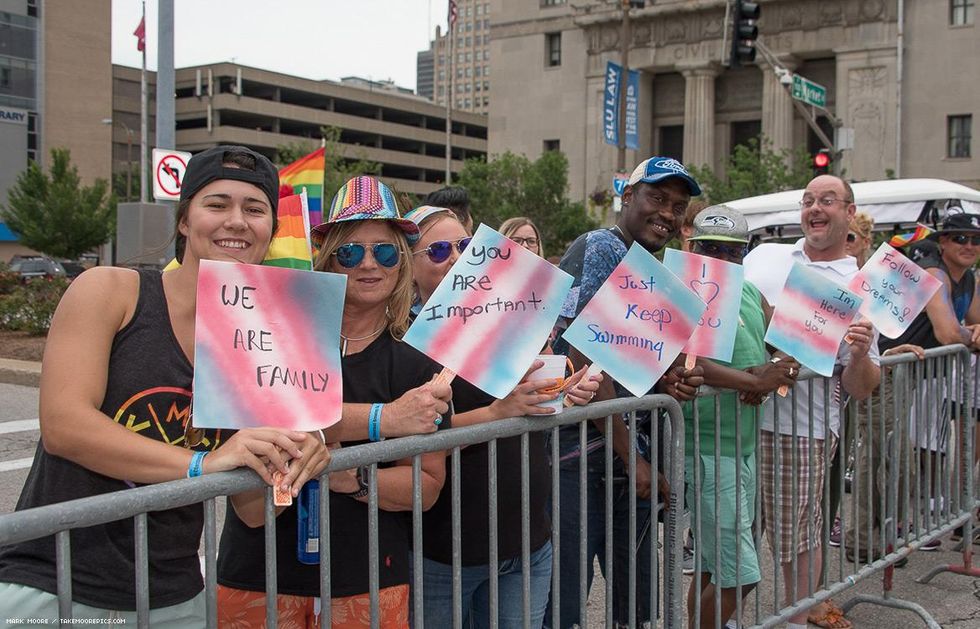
(744, 32)
(821, 162)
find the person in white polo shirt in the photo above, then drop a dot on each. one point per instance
(827, 207)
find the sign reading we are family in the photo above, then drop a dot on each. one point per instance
(719, 285)
(267, 347)
(637, 322)
(811, 317)
(895, 290)
(492, 313)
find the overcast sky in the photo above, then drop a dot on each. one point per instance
(315, 39)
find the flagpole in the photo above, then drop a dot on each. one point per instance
(143, 107)
(449, 99)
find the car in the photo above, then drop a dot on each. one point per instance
(36, 267)
(73, 269)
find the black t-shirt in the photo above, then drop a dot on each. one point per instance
(475, 495)
(382, 372)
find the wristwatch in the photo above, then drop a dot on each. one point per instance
(362, 483)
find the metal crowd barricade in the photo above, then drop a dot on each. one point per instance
(913, 447)
(60, 519)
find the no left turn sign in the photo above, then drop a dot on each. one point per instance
(168, 173)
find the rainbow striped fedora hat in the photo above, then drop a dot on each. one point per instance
(364, 199)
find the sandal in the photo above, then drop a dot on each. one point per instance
(832, 618)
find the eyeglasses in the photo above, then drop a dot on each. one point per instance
(440, 250)
(351, 254)
(851, 237)
(525, 242)
(824, 202)
(962, 239)
(714, 249)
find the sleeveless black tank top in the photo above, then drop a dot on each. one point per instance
(148, 390)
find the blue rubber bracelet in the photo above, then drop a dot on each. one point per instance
(196, 466)
(374, 423)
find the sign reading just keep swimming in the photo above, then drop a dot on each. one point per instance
(492, 312)
(895, 290)
(637, 322)
(267, 347)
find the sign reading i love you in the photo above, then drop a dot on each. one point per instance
(895, 290)
(492, 313)
(637, 322)
(811, 317)
(719, 285)
(267, 347)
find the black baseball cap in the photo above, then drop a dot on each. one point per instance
(960, 223)
(208, 166)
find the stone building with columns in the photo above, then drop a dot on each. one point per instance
(892, 68)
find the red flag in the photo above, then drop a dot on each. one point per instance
(140, 33)
(453, 12)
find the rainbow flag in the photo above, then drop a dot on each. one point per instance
(290, 248)
(900, 240)
(307, 172)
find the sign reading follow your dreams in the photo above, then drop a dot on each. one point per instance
(637, 322)
(895, 290)
(267, 347)
(492, 313)
(811, 318)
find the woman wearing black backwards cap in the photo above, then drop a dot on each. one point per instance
(115, 401)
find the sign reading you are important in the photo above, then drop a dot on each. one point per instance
(637, 322)
(895, 290)
(811, 317)
(492, 313)
(267, 347)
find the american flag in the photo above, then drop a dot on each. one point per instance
(453, 12)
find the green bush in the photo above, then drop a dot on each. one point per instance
(8, 279)
(29, 308)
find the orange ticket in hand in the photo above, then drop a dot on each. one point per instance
(280, 497)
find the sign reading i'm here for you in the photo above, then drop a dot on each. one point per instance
(637, 322)
(895, 290)
(267, 347)
(811, 317)
(492, 313)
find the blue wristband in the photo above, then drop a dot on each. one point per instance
(374, 423)
(197, 464)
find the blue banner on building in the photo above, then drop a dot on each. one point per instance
(610, 106)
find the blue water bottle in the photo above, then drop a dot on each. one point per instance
(308, 523)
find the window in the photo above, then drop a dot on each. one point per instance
(552, 3)
(958, 132)
(469, 42)
(442, 91)
(5, 78)
(552, 49)
(961, 12)
(486, 85)
(743, 131)
(486, 70)
(477, 70)
(479, 9)
(476, 86)
(469, 27)
(459, 57)
(467, 72)
(459, 73)
(466, 11)
(672, 142)
(467, 57)
(486, 101)
(466, 104)
(552, 145)
(477, 40)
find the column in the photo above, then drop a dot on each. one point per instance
(699, 114)
(777, 107)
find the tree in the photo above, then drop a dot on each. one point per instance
(755, 169)
(338, 167)
(512, 185)
(55, 214)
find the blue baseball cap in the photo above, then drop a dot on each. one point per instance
(657, 169)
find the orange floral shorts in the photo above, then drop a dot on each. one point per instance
(244, 609)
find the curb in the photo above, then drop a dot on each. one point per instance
(21, 372)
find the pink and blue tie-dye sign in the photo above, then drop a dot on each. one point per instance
(637, 322)
(719, 285)
(811, 318)
(895, 290)
(267, 347)
(492, 313)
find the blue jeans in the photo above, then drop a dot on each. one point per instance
(595, 542)
(437, 584)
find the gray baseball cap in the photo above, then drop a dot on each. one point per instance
(720, 222)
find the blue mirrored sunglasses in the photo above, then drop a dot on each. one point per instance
(440, 250)
(351, 254)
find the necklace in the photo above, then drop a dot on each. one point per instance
(347, 339)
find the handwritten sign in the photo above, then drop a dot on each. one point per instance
(895, 290)
(811, 318)
(492, 313)
(719, 285)
(267, 347)
(637, 322)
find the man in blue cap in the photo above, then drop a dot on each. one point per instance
(654, 205)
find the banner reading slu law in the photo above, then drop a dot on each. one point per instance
(267, 347)
(492, 313)
(610, 105)
(637, 322)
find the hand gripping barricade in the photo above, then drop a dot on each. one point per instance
(912, 446)
(663, 597)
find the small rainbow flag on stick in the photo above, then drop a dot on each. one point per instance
(307, 172)
(900, 240)
(290, 248)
